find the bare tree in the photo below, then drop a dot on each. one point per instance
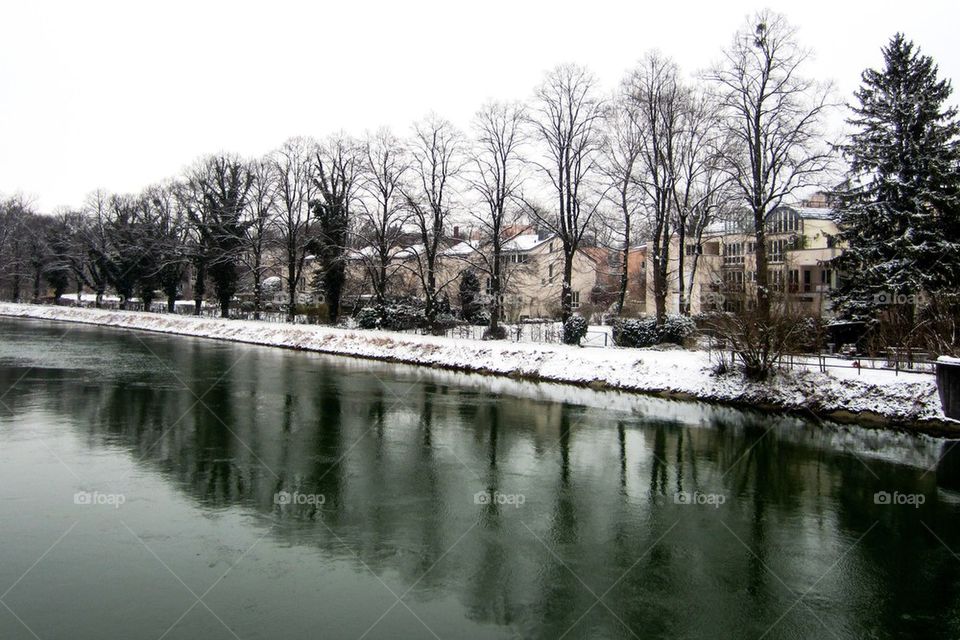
(382, 212)
(621, 160)
(335, 182)
(658, 99)
(96, 242)
(497, 179)
(700, 190)
(259, 231)
(215, 199)
(774, 116)
(567, 121)
(294, 173)
(168, 235)
(436, 151)
(16, 213)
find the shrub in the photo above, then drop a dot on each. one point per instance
(644, 332)
(480, 317)
(370, 317)
(391, 317)
(500, 333)
(635, 332)
(676, 329)
(574, 329)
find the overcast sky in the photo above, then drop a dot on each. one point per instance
(119, 95)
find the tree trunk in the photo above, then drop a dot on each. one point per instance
(37, 276)
(763, 285)
(494, 329)
(566, 292)
(291, 284)
(431, 291)
(624, 273)
(684, 306)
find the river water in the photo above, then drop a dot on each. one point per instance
(168, 487)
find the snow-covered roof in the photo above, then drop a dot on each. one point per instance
(361, 253)
(525, 242)
(460, 249)
(412, 251)
(814, 213)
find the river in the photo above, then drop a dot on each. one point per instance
(157, 486)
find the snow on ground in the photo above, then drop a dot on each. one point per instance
(903, 399)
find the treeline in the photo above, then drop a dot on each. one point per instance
(660, 158)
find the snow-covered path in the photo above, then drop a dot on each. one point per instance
(909, 400)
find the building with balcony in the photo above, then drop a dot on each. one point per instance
(719, 272)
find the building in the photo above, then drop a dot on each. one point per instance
(720, 271)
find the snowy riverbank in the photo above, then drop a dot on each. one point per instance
(873, 396)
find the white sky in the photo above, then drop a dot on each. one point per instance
(121, 94)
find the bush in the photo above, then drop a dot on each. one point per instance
(574, 329)
(635, 332)
(391, 317)
(370, 317)
(644, 332)
(676, 329)
(500, 333)
(480, 317)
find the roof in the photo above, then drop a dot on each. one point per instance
(525, 242)
(412, 251)
(460, 249)
(814, 213)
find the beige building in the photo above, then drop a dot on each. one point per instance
(801, 243)
(532, 274)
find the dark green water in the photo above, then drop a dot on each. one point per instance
(144, 483)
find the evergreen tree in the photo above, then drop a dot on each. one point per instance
(469, 295)
(899, 214)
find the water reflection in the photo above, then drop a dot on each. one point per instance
(599, 547)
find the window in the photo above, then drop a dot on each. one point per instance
(793, 280)
(693, 250)
(733, 253)
(806, 280)
(550, 273)
(575, 299)
(776, 249)
(775, 279)
(489, 287)
(826, 278)
(733, 280)
(783, 220)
